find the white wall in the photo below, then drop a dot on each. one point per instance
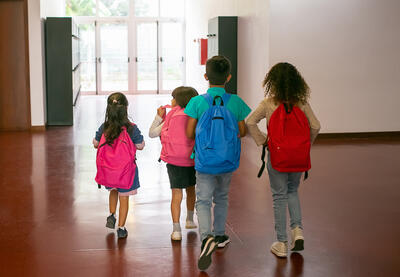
(37, 11)
(36, 69)
(348, 52)
(197, 15)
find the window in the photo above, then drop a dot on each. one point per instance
(146, 8)
(113, 7)
(80, 7)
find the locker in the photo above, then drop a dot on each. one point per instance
(222, 40)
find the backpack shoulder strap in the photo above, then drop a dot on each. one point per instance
(208, 98)
(263, 162)
(226, 97)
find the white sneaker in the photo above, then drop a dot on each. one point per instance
(190, 224)
(280, 249)
(176, 235)
(297, 239)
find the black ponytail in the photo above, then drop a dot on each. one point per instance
(116, 117)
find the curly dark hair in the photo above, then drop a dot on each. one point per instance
(285, 85)
(116, 117)
(182, 95)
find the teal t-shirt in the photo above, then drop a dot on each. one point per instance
(198, 105)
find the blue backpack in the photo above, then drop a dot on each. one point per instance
(217, 147)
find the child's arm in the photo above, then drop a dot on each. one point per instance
(137, 138)
(97, 137)
(95, 143)
(156, 126)
(315, 126)
(191, 128)
(252, 122)
(242, 128)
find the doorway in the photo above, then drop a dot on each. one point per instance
(142, 52)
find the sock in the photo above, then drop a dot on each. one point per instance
(121, 227)
(176, 227)
(189, 216)
(112, 214)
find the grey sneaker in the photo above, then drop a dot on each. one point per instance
(122, 233)
(222, 241)
(207, 248)
(111, 221)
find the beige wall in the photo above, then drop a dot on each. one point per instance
(348, 52)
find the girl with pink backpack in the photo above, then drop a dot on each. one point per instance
(176, 151)
(116, 142)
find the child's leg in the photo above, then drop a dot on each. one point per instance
(123, 210)
(278, 181)
(205, 187)
(176, 205)
(221, 203)
(293, 200)
(190, 198)
(112, 201)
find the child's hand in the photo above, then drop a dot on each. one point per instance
(95, 143)
(161, 111)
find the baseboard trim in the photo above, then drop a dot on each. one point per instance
(41, 128)
(362, 135)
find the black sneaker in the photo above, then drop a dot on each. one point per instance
(122, 233)
(222, 241)
(111, 221)
(207, 248)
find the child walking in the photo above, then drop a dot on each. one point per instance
(176, 152)
(285, 108)
(117, 140)
(217, 123)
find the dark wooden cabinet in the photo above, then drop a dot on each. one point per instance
(62, 69)
(222, 40)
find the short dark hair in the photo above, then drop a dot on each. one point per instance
(182, 95)
(218, 69)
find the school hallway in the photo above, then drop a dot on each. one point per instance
(53, 215)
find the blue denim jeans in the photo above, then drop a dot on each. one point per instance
(212, 188)
(284, 187)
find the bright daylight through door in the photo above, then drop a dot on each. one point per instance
(132, 46)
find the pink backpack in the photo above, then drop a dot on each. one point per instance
(176, 147)
(116, 165)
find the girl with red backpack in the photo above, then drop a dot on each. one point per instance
(116, 142)
(176, 151)
(292, 128)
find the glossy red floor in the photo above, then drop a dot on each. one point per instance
(52, 214)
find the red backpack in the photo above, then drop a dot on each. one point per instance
(289, 141)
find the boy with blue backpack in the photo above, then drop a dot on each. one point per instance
(216, 123)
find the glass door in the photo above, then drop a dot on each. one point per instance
(87, 45)
(147, 57)
(171, 56)
(159, 56)
(113, 58)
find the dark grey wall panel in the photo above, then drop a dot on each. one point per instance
(222, 40)
(61, 88)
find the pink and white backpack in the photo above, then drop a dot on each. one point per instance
(116, 165)
(176, 147)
